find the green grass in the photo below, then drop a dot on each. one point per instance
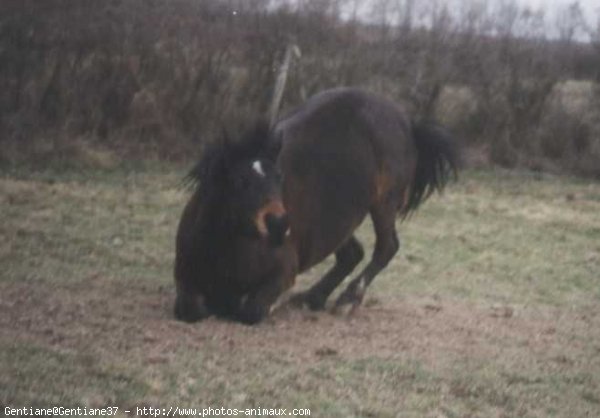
(491, 308)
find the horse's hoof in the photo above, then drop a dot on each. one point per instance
(347, 303)
(250, 318)
(308, 300)
(298, 300)
(251, 314)
(346, 310)
(190, 308)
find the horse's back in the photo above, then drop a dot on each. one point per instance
(338, 151)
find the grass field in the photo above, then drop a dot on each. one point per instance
(491, 308)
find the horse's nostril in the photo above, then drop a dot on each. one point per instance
(278, 228)
(275, 221)
(269, 217)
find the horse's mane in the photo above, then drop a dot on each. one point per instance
(218, 156)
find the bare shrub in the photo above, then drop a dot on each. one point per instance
(163, 77)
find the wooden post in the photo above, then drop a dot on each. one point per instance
(291, 51)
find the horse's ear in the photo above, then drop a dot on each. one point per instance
(273, 147)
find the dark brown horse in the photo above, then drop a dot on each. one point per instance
(342, 155)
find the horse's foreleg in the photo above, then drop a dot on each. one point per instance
(347, 257)
(257, 304)
(386, 246)
(190, 306)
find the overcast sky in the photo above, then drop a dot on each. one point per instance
(590, 8)
(551, 9)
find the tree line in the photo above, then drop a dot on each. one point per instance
(157, 77)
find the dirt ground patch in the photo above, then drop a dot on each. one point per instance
(438, 331)
(112, 324)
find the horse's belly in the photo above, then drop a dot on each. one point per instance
(324, 213)
(329, 169)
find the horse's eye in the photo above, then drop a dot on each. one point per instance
(241, 183)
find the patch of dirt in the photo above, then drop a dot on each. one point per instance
(108, 317)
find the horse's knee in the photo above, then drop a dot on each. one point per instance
(350, 255)
(252, 311)
(395, 244)
(255, 306)
(386, 249)
(190, 308)
(393, 248)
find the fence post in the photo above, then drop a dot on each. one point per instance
(291, 51)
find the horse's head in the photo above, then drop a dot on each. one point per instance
(252, 197)
(242, 228)
(240, 187)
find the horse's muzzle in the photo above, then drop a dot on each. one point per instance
(272, 223)
(278, 228)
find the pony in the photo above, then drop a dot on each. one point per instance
(284, 198)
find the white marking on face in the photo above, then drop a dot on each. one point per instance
(257, 166)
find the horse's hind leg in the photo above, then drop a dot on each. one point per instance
(347, 257)
(386, 245)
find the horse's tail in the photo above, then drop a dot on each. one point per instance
(438, 159)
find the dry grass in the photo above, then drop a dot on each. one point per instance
(492, 308)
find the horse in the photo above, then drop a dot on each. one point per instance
(310, 181)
